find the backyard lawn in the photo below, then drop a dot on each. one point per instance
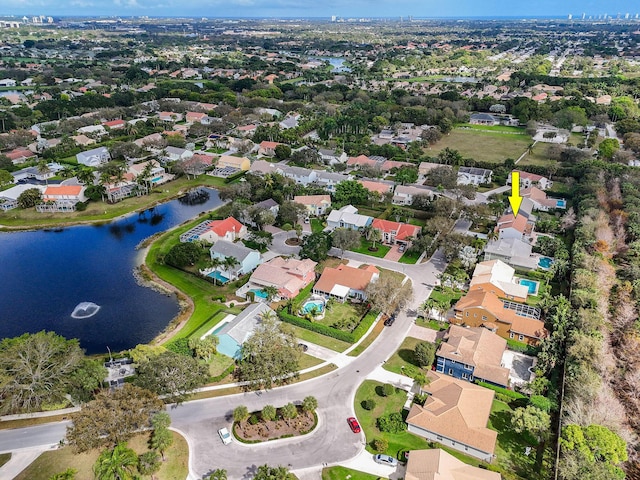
(316, 225)
(538, 156)
(319, 339)
(56, 461)
(398, 442)
(482, 145)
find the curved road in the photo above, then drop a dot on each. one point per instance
(332, 441)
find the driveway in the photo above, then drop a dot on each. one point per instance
(393, 255)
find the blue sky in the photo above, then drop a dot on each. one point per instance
(317, 8)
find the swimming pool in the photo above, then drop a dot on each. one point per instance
(530, 284)
(545, 262)
(156, 179)
(561, 204)
(259, 293)
(218, 276)
(308, 306)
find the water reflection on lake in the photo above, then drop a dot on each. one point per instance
(47, 273)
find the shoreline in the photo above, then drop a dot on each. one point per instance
(77, 223)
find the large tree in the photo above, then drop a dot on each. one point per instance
(113, 417)
(183, 254)
(388, 293)
(30, 198)
(351, 191)
(265, 472)
(35, 369)
(316, 246)
(346, 239)
(172, 375)
(86, 379)
(270, 356)
(290, 212)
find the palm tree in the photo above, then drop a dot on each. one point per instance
(149, 463)
(229, 263)
(67, 172)
(85, 175)
(214, 263)
(240, 414)
(373, 235)
(218, 474)
(43, 169)
(309, 404)
(68, 474)
(116, 464)
(271, 291)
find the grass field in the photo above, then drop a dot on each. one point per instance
(364, 249)
(538, 156)
(482, 146)
(340, 473)
(384, 405)
(56, 461)
(319, 339)
(403, 357)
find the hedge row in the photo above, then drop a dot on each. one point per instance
(502, 391)
(316, 327)
(235, 176)
(230, 369)
(364, 325)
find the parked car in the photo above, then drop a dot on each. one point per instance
(353, 423)
(402, 247)
(385, 460)
(389, 321)
(225, 436)
(303, 347)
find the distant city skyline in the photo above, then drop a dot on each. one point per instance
(313, 8)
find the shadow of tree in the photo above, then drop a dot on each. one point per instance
(515, 444)
(408, 356)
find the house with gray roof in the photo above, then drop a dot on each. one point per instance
(347, 217)
(247, 258)
(329, 180)
(93, 158)
(473, 176)
(238, 330)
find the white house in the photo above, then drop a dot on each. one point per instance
(405, 194)
(93, 158)
(473, 176)
(7, 82)
(316, 204)
(175, 153)
(211, 231)
(97, 130)
(332, 156)
(329, 180)
(303, 176)
(347, 217)
(247, 258)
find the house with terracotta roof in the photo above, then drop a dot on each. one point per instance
(210, 231)
(228, 161)
(455, 414)
(497, 277)
(316, 205)
(509, 319)
(288, 275)
(473, 354)
(82, 140)
(344, 282)
(395, 232)
(20, 155)
(436, 464)
(532, 180)
(361, 161)
(170, 117)
(520, 226)
(540, 200)
(196, 117)
(246, 130)
(425, 167)
(115, 124)
(61, 198)
(268, 148)
(380, 186)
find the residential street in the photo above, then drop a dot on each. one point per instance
(332, 442)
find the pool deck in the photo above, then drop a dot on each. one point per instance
(221, 323)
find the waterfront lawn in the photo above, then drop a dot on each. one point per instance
(209, 324)
(55, 461)
(340, 473)
(482, 146)
(403, 357)
(364, 249)
(102, 211)
(398, 442)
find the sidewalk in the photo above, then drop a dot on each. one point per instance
(398, 381)
(20, 460)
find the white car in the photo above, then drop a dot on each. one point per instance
(385, 460)
(225, 436)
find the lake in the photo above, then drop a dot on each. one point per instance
(336, 62)
(47, 273)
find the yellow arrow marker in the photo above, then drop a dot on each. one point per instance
(515, 200)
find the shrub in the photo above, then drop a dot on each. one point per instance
(543, 403)
(420, 398)
(392, 423)
(388, 389)
(253, 419)
(81, 206)
(424, 354)
(380, 445)
(369, 404)
(503, 391)
(286, 227)
(181, 346)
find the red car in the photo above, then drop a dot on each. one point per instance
(353, 423)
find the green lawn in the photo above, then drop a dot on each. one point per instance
(340, 473)
(403, 357)
(384, 405)
(209, 324)
(338, 311)
(538, 156)
(218, 364)
(409, 258)
(56, 461)
(364, 249)
(448, 296)
(513, 463)
(377, 330)
(4, 458)
(316, 225)
(319, 339)
(432, 324)
(307, 361)
(496, 128)
(482, 146)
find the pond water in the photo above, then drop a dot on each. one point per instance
(336, 62)
(46, 274)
